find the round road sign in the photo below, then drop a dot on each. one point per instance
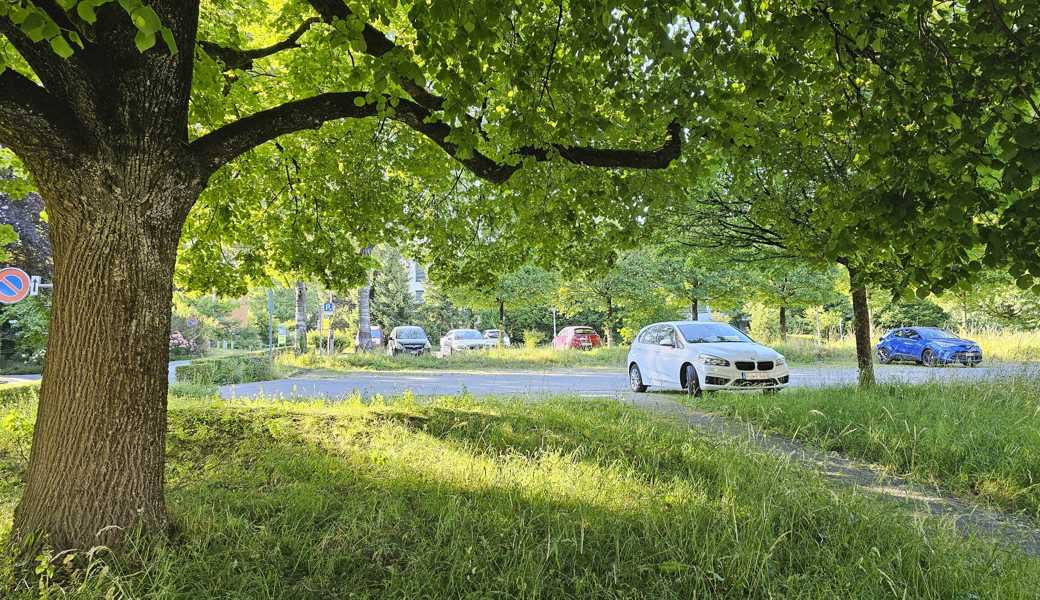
(14, 285)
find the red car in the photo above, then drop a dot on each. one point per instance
(580, 337)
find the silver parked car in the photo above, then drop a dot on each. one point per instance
(491, 335)
(461, 340)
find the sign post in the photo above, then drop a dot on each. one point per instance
(327, 309)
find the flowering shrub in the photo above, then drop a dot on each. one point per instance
(182, 346)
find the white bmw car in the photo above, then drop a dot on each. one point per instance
(696, 355)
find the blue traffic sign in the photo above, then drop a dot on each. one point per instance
(327, 308)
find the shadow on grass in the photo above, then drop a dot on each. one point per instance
(556, 500)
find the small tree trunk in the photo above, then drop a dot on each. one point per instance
(301, 317)
(610, 322)
(501, 322)
(97, 460)
(783, 323)
(861, 323)
(695, 310)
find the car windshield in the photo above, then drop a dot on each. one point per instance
(932, 333)
(709, 333)
(411, 333)
(467, 334)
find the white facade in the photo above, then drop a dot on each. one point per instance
(416, 281)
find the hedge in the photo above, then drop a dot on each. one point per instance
(222, 371)
(15, 393)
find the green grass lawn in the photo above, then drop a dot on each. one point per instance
(972, 438)
(494, 358)
(562, 499)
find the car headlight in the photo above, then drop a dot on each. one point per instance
(711, 359)
(780, 360)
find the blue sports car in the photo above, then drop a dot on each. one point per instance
(929, 346)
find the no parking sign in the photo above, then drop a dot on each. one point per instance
(14, 285)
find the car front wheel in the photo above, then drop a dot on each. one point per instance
(635, 379)
(691, 385)
(928, 358)
(883, 356)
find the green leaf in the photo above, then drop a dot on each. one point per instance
(359, 101)
(146, 20)
(85, 10)
(167, 36)
(144, 40)
(61, 47)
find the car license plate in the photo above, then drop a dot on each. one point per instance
(754, 376)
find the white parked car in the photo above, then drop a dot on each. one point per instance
(461, 340)
(696, 356)
(491, 335)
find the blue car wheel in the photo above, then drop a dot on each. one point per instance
(883, 355)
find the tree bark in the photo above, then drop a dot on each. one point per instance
(97, 460)
(783, 323)
(861, 324)
(610, 323)
(501, 322)
(695, 310)
(301, 317)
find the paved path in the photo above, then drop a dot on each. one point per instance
(1005, 529)
(13, 378)
(584, 382)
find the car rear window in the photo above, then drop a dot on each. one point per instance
(584, 331)
(467, 334)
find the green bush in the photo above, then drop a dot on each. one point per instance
(223, 371)
(15, 393)
(533, 337)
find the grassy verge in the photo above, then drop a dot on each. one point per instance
(495, 358)
(563, 499)
(974, 438)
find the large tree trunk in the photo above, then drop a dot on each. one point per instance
(695, 310)
(861, 325)
(96, 465)
(301, 317)
(610, 323)
(783, 322)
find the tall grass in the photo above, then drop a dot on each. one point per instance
(979, 438)
(494, 358)
(997, 346)
(563, 499)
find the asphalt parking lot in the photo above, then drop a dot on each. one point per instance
(583, 382)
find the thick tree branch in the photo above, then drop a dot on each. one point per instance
(221, 146)
(218, 147)
(30, 118)
(377, 45)
(233, 58)
(998, 19)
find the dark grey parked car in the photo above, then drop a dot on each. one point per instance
(407, 338)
